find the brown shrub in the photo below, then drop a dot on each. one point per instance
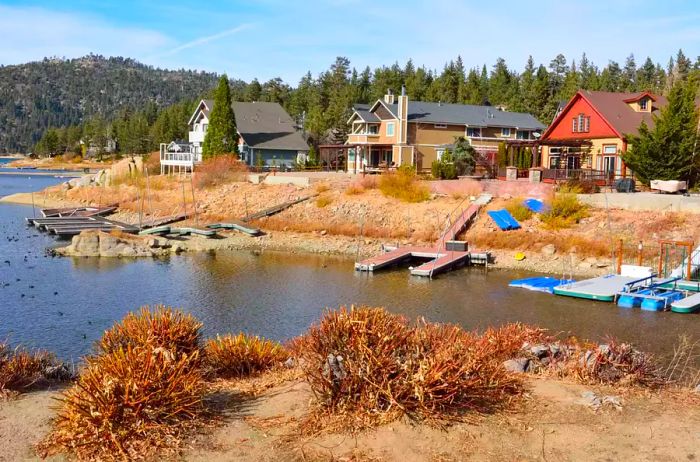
(22, 370)
(151, 162)
(615, 363)
(354, 189)
(322, 187)
(242, 355)
(367, 366)
(162, 327)
(323, 200)
(127, 404)
(219, 170)
(369, 182)
(404, 185)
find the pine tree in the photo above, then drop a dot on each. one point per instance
(646, 76)
(221, 137)
(629, 74)
(668, 150)
(253, 91)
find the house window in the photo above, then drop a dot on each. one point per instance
(610, 149)
(373, 129)
(581, 124)
(522, 134)
(474, 132)
(440, 126)
(505, 131)
(440, 152)
(204, 127)
(643, 104)
(390, 129)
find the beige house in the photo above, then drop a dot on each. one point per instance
(395, 131)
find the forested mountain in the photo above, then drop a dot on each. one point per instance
(95, 98)
(58, 93)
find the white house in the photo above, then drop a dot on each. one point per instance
(268, 137)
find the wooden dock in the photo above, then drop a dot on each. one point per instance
(71, 226)
(440, 258)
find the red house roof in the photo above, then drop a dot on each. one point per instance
(614, 109)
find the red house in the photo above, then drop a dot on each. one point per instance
(590, 133)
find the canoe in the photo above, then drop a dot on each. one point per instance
(686, 305)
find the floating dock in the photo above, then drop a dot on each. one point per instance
(603, 288)
(71, 226)
(540, 284)
(687, 305)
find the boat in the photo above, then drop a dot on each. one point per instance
(539, 284)
(689, 304)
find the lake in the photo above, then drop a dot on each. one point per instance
(64, 304)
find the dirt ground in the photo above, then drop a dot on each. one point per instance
(57, 164)
(337, 217)
(553, 423)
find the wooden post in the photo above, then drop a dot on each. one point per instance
(690, 262)
(661, 258)
(619, 257)
(639, 253)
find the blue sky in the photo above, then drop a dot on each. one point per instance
(271, 38)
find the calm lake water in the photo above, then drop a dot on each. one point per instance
(64, 304)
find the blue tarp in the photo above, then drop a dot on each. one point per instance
(535, 205)
(504, 219)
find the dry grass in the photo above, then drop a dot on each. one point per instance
(323, 200)
(682, 369)
(367, 366)
(337, 228)
(516, 208)
(22, 370)
(322, 187)
(404, 185)
(369, 182)
(565, 211)
(128, 404)
(163, 327)
(354, 189)
(219, 170)
(236, 356)
(522, 241)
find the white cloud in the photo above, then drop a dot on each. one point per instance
(30, 34)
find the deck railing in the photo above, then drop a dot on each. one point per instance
(581, 174)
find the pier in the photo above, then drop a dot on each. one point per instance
(447, 255)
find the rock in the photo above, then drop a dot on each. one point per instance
(584, 265)
(153, 243)
(324, 232)
(539, 350)
(589, 398)
(289, 363)
(518, 365)
(549, 249)
(176, 248)
(697, 389)
(591, 260)
(108, 243)
(86, 244)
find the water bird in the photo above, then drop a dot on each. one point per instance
(7, 262)
(60, 313)
(23, 295)
(55, 293)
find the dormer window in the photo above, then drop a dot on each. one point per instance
(643, 104)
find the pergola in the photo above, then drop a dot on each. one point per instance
(334, 156)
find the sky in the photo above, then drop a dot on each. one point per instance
(282, 38)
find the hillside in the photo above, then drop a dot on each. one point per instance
(58, 92)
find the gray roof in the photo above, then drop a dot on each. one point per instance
(362, 110)
(467, 114)
(267, 126)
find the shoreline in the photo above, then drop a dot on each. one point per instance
(319, 244)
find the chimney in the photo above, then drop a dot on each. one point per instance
(403, 116)
(389, 97)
